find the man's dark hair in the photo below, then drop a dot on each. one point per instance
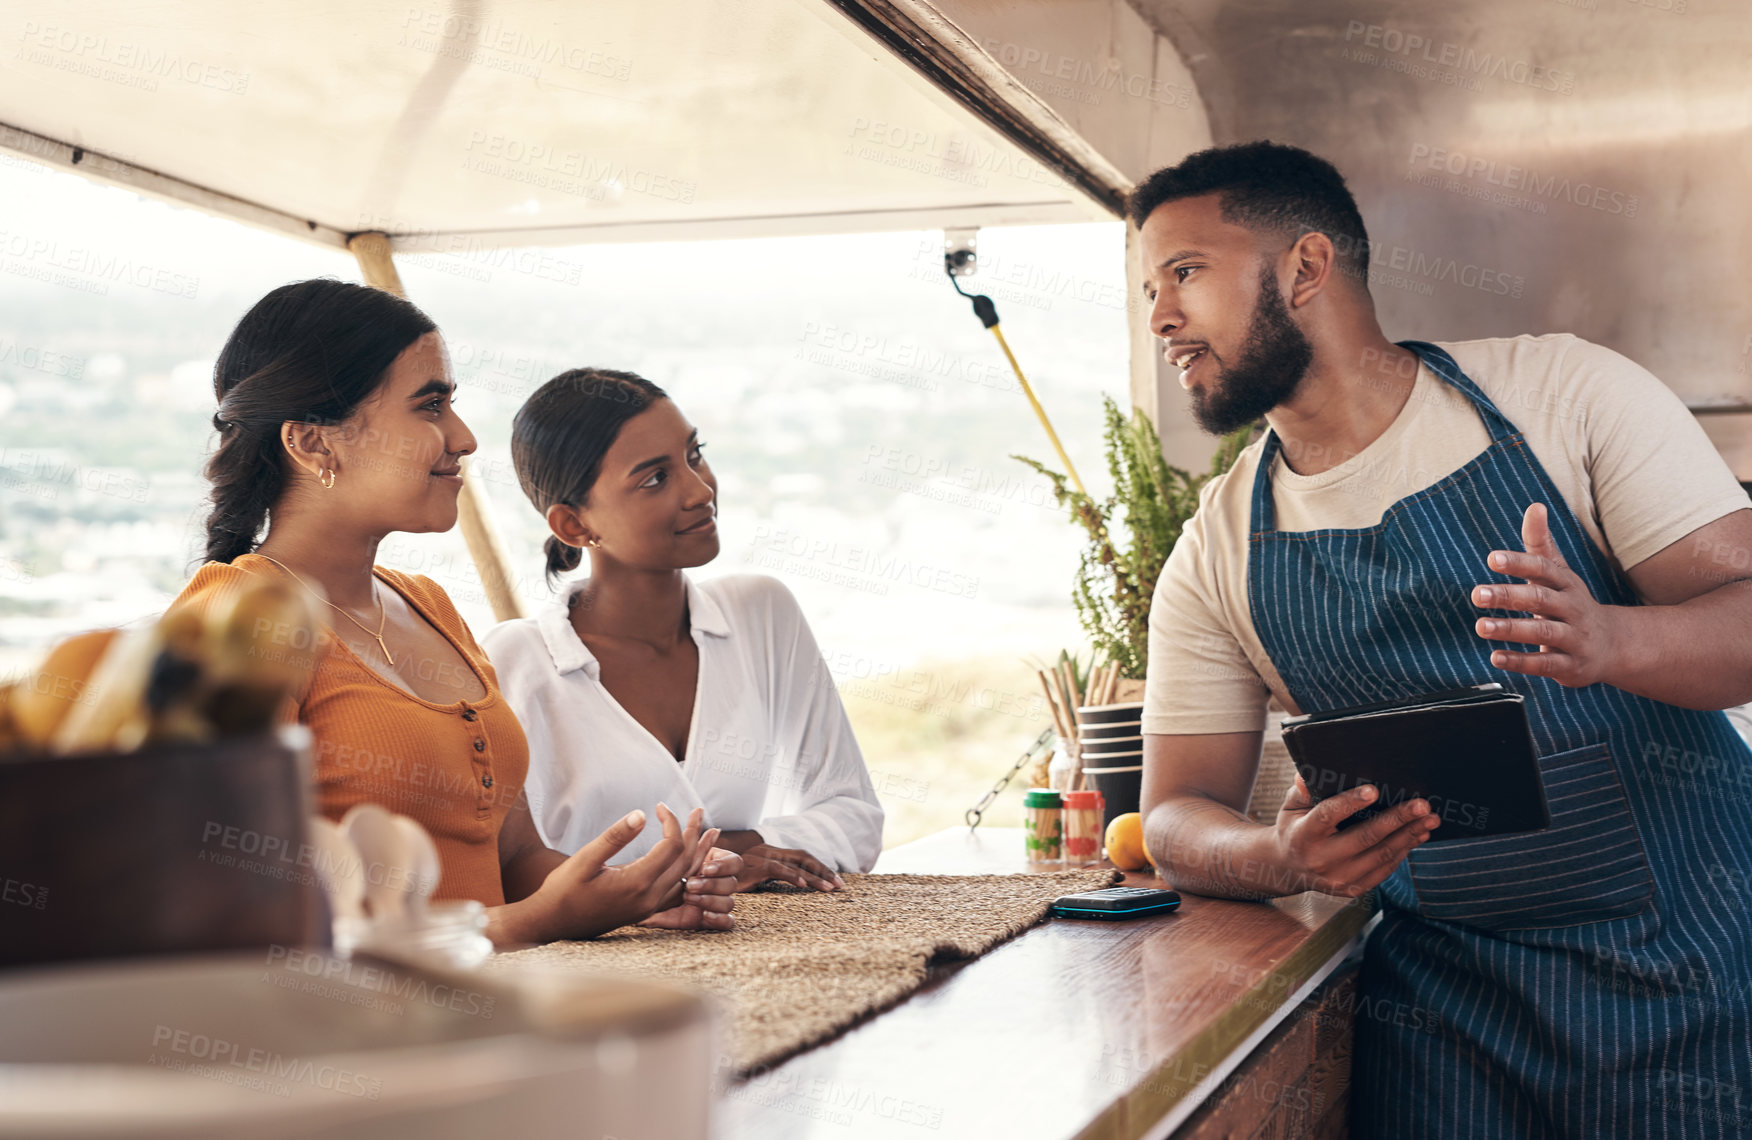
(1266, 186)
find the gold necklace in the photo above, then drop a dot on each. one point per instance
(367, 629)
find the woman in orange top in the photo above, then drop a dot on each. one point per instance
(335, 428)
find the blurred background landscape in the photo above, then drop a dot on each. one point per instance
(859, 419)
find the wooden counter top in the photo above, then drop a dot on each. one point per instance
(1082, 1029)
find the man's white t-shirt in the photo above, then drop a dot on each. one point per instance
(1628, 457)
(769, 747)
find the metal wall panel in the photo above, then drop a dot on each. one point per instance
(1523, 166)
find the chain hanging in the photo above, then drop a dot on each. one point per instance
(1042, 744)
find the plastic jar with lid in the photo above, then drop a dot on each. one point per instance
(1043, 821)
(1083, 812)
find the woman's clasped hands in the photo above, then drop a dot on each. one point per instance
(683, 883)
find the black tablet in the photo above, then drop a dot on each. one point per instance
(1469, 752)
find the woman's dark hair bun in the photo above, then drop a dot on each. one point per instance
(308, 352)
(562, 432)
(561, 559)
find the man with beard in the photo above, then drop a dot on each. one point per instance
(1537, 511)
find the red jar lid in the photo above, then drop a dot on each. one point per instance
(1083, 800)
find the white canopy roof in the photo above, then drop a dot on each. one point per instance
(504, 122)
(1555, 146)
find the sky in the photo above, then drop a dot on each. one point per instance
(861, 419)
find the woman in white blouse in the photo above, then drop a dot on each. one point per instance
(641, 684)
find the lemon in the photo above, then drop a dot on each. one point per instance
(1125, 842)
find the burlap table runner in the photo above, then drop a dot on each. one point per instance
(803, 965)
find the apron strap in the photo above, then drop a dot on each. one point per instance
(1444, 366)
(1264, 510)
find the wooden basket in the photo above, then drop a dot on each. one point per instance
(164, 850)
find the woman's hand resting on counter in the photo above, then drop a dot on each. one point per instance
(581, 896)
(707, 902)
(1313, 853)
(761, 861)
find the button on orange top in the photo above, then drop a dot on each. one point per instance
(377, 743)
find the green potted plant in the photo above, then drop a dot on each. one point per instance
(1131, 532)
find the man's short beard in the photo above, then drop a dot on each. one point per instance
(1272, 363)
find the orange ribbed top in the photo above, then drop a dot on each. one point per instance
(455, 768)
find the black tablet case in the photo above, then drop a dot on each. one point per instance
(1467, 751)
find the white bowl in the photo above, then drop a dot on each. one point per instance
(297, 1043)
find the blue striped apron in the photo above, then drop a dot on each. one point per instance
(1592, 979)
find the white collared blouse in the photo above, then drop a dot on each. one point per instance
(769, 746)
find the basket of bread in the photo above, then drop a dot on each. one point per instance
(154, 795)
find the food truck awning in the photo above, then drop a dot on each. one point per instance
(1510, 158)
(531, 122)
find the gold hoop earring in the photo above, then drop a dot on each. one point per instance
(326, 478)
